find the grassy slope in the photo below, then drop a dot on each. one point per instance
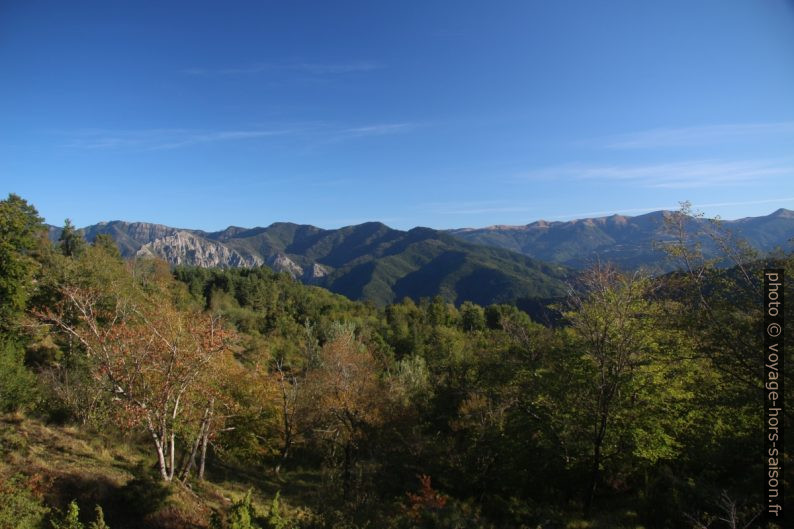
(65, 463)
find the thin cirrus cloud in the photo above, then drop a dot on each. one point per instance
(312, 68)
(162, 139)
(700, 135)
(381, 129)
(169, 139)
(674, 175)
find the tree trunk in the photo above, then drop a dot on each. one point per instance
(160, 454)
(190, 461)
(171, 449)
(286, 416)
(204, 441)
(346, 472)
(595, 472)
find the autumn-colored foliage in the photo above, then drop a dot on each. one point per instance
(427, 499)
(155, 360)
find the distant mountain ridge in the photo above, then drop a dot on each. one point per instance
(368, 261)
(624, 240)
(372, 261)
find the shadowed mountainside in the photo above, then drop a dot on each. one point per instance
(374, 262)
(368, 261)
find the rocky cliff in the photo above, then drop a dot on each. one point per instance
(185, 248)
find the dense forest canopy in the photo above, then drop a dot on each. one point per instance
(240, 398)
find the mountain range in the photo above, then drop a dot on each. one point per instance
(630, 242)
(374, 262)
(368, 261)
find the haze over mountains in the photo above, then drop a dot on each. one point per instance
(373, 262)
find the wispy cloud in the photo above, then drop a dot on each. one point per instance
(674, 175)
(381, 129)
(311, 68)
(167, 139)
(163, 139)
(700, 135)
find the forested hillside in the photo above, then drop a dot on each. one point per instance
(630, 242)
(137, 394)
(367, 262)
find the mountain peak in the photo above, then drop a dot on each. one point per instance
(783, 213)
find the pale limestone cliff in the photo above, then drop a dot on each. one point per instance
(186, 248)
(281, 263)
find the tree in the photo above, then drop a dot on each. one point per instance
(289, 388)
(71, 241)
(153, 358)
(345, 392)
(20, 233)
(105, 241)
(612, 327)
(472, 317)
(718, 293)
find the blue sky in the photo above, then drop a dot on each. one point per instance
(443, 114)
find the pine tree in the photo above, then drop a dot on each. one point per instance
(20, 228)
(71, 240)
(107, 243)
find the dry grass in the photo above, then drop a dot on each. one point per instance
(68, 463)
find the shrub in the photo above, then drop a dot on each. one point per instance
(274, 519)
(69, 519)
(17, 384)
(99, 522)
(19, 507)
(242, 513)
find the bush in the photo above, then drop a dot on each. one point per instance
(242, 513)
(274, 518)
(69, 519)
(19, 507)
(99, 521)
(17, 384)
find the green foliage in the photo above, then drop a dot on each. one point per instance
(70, 519)
(71, 241)
(641, 403)
(99, 519)
(106, 242)
(20, 234)
(241, 514)
(472, 317)
(274, 518)
(17, 384)
(19, 507)
(375, 263)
